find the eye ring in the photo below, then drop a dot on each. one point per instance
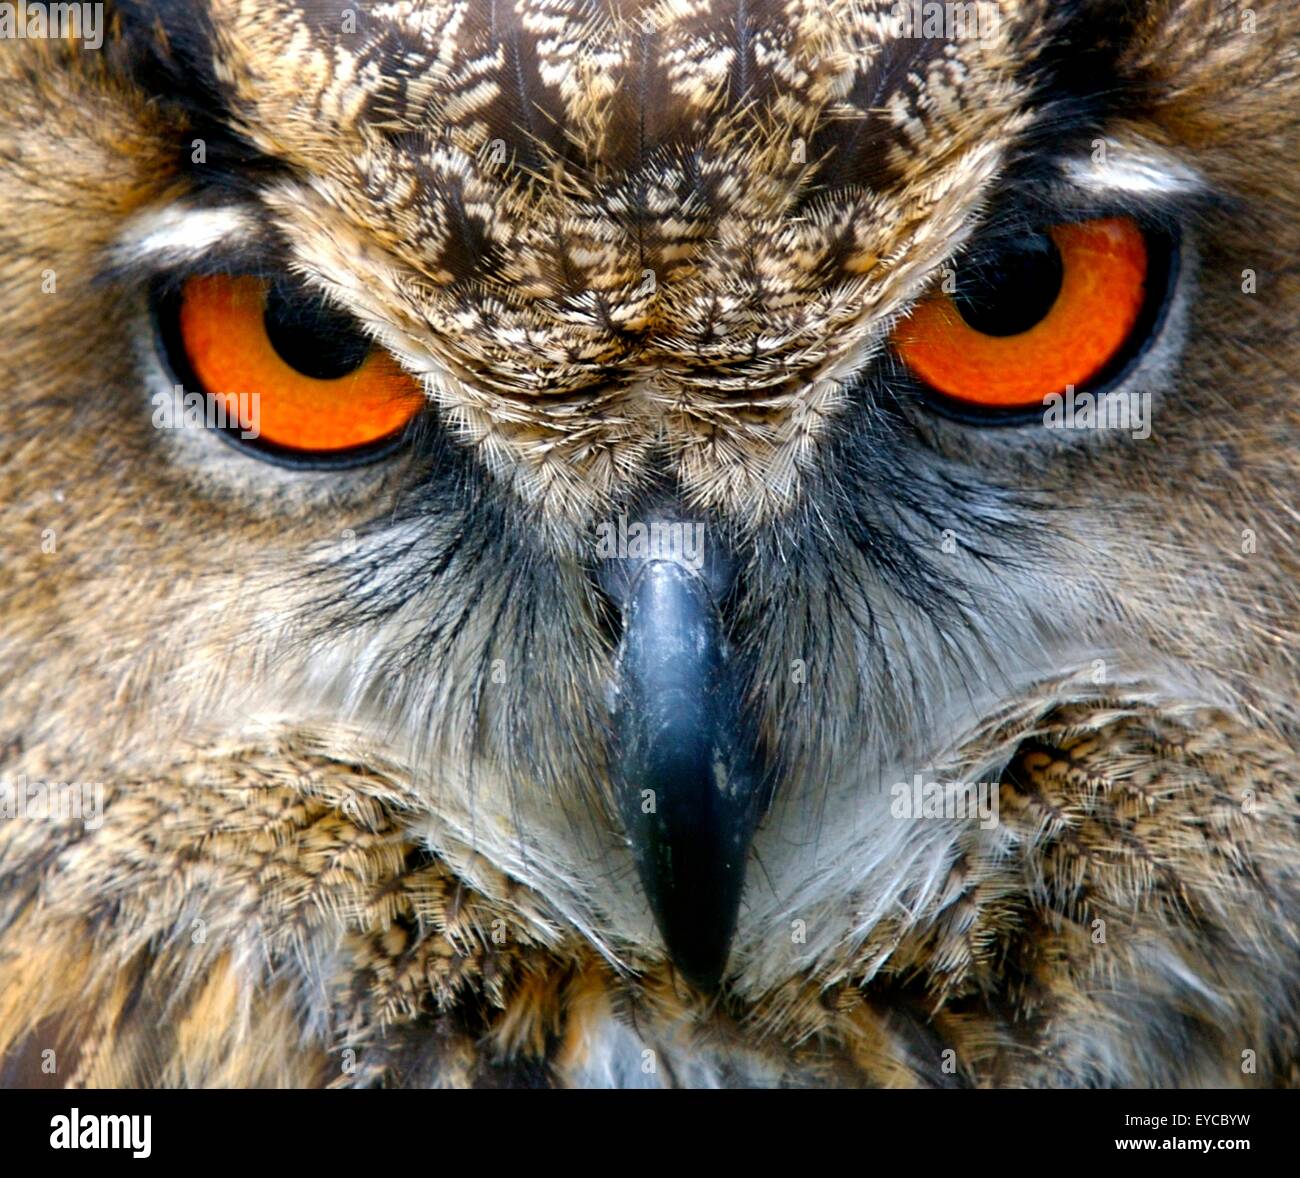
(167, 304)
(1163, 261)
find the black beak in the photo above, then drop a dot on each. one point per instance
(685, 770)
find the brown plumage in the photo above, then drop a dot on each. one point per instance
(362, 820)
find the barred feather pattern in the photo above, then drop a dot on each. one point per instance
(263, 920)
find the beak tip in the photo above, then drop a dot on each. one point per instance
(703, 977)
(697, 927)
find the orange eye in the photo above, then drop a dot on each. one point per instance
(1053, 310)
(321, 387)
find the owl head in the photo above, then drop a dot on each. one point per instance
(648, 433)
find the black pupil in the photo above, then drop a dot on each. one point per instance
(1010, 291)
(311, 336)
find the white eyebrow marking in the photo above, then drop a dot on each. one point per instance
(178, 234)
(1135, 169)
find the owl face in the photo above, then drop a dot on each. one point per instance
(653, 436)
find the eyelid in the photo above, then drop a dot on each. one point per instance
(186, 239)
(1135, 170)
(1030, 197)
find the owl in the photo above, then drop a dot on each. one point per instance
(615, 544)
